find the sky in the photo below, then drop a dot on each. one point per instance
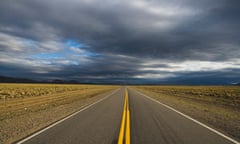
(121, 41)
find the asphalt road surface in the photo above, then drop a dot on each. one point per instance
(151, 123)
(99, 124)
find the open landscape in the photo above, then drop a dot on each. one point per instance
(25, 108)
(217, 106)
(119, 72)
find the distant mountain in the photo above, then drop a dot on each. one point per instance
(4, 79)
(183, 81)
(58, 81)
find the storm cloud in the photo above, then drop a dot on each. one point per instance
(138, 41)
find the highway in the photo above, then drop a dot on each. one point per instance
(152, 123)
(127, 117)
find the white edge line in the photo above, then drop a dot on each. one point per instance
(192, 119)
(58, 122)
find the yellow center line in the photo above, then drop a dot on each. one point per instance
(127, 136)
(125, 124)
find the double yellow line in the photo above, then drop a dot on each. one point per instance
(125, 124)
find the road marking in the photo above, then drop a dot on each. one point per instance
(128, 122)
(121, 133)
(192, 119)
(125, 123)
(58, 122)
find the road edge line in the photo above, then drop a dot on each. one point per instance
(84, 107)
(190, 118)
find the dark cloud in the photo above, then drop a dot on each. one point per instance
(135, 40)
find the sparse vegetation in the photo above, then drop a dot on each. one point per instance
(217, 106)
(12, 91)
(25, 108)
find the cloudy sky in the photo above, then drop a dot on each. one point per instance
(121, 41)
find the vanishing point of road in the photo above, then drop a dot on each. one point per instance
(127, 116)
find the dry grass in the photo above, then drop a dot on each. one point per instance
(30, 107)
(217, 106)
(13, 91)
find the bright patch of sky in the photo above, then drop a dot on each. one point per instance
(71, 51)
(77, 48)
(48, 56)
(73, 43)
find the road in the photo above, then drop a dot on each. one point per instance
(99, 124)
(151, 123)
